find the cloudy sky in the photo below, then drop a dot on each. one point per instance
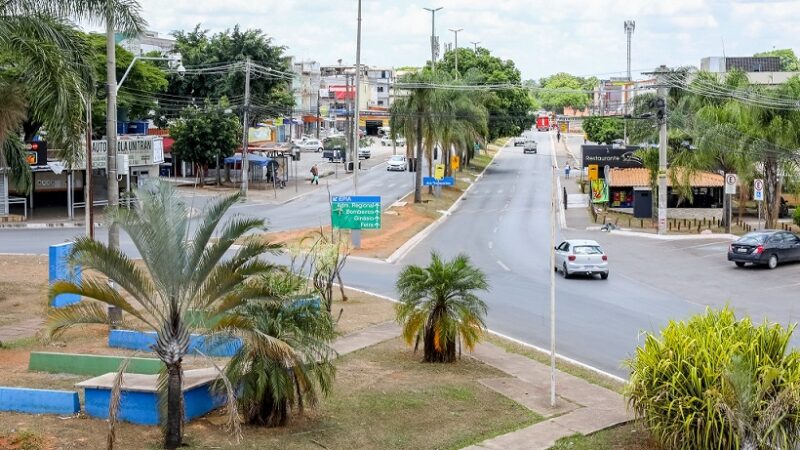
(583, 37)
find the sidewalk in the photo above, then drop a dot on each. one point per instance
(577, 206)
(581, 407)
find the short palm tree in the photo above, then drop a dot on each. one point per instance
(285, 361)
(182, 272)
(439, 306)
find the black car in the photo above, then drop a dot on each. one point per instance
(767, 247)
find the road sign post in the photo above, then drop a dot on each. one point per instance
(758, 196)
(731, 183)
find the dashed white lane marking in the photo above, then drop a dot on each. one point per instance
(491, 245)
(392, 185)
(505, 267)
(495, 230)
(500, 191)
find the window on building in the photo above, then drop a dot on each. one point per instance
(380, 102)
(380, 88)
(383, 74)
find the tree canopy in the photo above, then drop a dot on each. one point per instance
(204, 134)
(603, 129)
(554, 100)
(789, 61)
(270, 95)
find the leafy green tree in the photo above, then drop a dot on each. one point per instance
(558, 92)
(509, 110)
(206, 136)
(182, 272)
(285, 361)
(439, 306)
(136, 99)
(270, 95)
(602, 129)
(789, 61)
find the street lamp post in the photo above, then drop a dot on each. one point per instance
(433, 35)
(455, 32)
(475, 45)
(356, 234)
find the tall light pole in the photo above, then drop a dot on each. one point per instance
(661, 116)
(356, 233)
(630, 25)
(475, 44)
(433, 35)
(455, 32)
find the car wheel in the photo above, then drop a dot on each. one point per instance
(564, 271)
(773, 261)
(740, 264)
(319, 149)
(604, 276)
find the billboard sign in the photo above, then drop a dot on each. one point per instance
(356, 212)
(614, 157)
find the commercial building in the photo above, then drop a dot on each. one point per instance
(307, 93)
(380, 80)
(611, 96)
(147, 41)
(761, 70)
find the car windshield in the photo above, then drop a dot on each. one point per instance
(587, 250)
(753, 238)
(398, 158)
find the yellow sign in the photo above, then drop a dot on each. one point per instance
(564, 127)
(438, 171)
(593, 171)
(455, 162)
(31, 158)
(278, 122)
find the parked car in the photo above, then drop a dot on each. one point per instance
(765, 247)
(308, 145)
(386, 141)
(519, 141)
(334, 148)
(581, 256)
(397, 162)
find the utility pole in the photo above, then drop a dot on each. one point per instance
(475, 45)
(246, 127)
(111, 129)
(319, 118)
(88, 190)
(455, 32)
(554, 211)
(630, 25)
(355, 234)
(661, 116)
(349, 121)
(433, 35)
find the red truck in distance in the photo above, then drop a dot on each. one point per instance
(543, 123)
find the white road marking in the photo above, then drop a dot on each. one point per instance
(391, 185)
(500, 191)
(505, 267)
(495, 230)
(491, 245)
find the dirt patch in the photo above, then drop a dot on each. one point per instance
(383, 397)
(23, 287)
(360, 311)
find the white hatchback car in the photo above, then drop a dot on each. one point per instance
(581, 256)
(396, 162)
(308, 145)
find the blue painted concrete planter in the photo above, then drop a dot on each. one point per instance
(145, 340)
(39, 401)
(139, 399)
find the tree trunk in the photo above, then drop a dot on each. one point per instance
(270, 413)
(772, 191)
(418, 174)
(447, 351)
(174, 426)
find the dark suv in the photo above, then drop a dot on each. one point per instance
(766, 247)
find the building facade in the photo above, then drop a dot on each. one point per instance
(723, 64)
(306, 90)
(147, 41)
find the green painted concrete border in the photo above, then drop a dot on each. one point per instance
(94, 365)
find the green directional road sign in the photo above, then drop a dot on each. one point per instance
(356, 212)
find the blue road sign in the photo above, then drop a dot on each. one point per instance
(446, 181)
(356, 199)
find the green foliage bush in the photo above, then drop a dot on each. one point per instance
(797, 215)
(678, 380)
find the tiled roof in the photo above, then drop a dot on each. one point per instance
(641, 178)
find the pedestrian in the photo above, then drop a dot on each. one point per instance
(314, 174)
(558, 135)
(567, 168)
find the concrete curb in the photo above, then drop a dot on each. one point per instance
(417, 238)
(517, 341)
(673, 237)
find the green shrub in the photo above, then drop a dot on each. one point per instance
(679, 380)
(797, 215)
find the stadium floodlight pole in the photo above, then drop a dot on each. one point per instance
(455, 32)
(433, 35)
(475, 44)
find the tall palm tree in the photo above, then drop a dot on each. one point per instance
(182, 272)
(439, 306)
(45, 74)
(285, 361)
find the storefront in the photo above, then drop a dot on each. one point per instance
(707, 188)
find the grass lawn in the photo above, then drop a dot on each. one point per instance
(383, 397)
(625, 437)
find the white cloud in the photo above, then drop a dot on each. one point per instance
(541, 36)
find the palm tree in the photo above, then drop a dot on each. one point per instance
(438, 305)
(181, 272)
(46, 73)
(285, 361)
(757, 407)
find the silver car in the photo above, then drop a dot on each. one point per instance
(396, 162)
(581, 256)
